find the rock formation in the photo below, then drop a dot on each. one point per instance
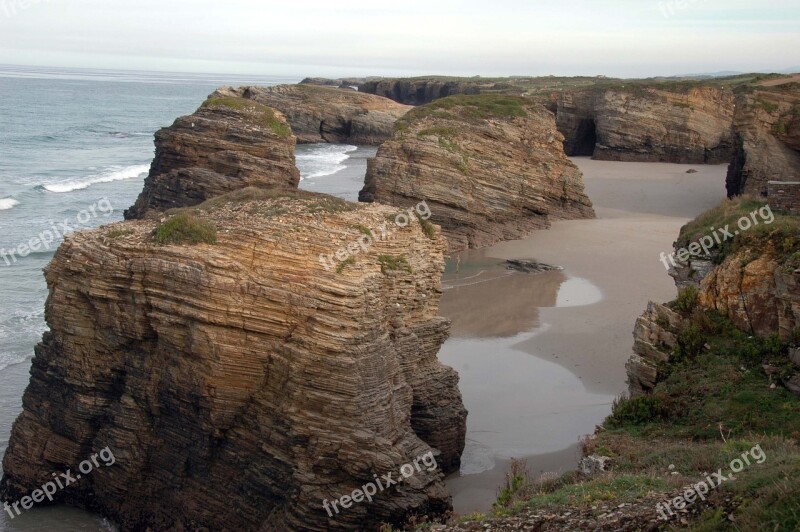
(227, 144)
(241, 384)
(753, 279)
(325, 114)
(648, 124)
(654, 337)
(767, 123)
(418, 91)
(490, 168)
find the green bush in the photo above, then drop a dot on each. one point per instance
(390, 264)
(635, 410)
(687, 300)
(690, 342)
(186, 228)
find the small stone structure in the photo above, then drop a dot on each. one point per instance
(784, 196)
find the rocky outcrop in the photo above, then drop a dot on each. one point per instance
(327, 114)
(756, 291)
(418, 91)
(649, 124)
(767, 123)
(342, 83)
(227, 144)
(241, 384)
(654, 337)
(490, 167)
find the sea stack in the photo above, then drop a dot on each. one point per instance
(490, 167)
(227, 144)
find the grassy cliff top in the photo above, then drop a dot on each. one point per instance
(470, 107)
(265, 116)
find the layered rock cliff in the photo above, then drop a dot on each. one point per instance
(227, 144)
(417, 91)
(490, 167)
(325, 114)
(241, 383)
(693, 125)
(767, 140)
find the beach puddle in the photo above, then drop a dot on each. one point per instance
(520, 405)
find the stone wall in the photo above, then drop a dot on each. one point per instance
(784, 196)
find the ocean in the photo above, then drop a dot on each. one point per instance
(75, 147)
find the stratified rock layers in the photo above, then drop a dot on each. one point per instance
(490, 168)
(326, 114)
(240, 384)
(767, 125)
(227, 144)
(648, 124)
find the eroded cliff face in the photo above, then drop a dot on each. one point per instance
(240, 384)
(227, 144)
(648, 124)
(490, 168)
(767, 140)
(417, 92)
(325, 114)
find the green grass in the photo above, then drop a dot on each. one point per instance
(769, 107)
(363, 229)
(185, 228)
(119, 232)
(266, 116)
(471, 107)
(446, 132)
(783, 233)
(390, 264)
(349, 261)
(427, 226)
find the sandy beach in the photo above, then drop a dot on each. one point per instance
(541, 356)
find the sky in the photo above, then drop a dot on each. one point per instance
(622, 38)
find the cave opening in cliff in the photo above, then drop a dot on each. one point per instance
(585, 138)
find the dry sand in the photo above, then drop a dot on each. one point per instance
(540, 358)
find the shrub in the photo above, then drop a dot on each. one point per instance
(185, 228)
(690, 342)
(687, 300)
(427, 226)
(345, 263)
(389, 263)
(635, 410)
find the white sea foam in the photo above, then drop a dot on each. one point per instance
(8, 203)
(321, 160)
(111, 174)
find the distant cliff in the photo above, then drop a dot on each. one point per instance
(490, 167)
(418, 92)
(326, 114)
(227, 144)
(649, 124)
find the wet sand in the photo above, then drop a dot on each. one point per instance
(540, 357)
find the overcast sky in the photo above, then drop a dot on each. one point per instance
(629, 38)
